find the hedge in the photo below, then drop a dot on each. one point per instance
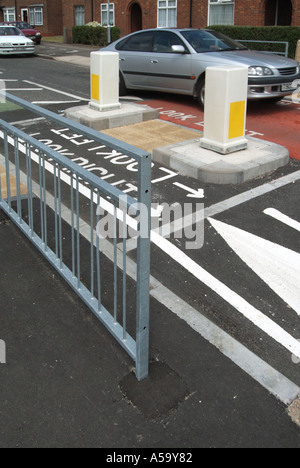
(290, 34)
(93, 35)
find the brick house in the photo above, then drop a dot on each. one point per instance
(132, 15)
(45, 15)
(52, 16)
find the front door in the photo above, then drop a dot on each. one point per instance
(136, 22)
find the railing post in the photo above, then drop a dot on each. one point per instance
(143, 269)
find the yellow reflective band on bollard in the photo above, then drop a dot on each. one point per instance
(237, 119)
(95, 87)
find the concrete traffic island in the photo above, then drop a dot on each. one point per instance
(222, 155)
(128, 114)
(189, 159)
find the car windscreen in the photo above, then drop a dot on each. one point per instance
(10, 32)
(210, 41)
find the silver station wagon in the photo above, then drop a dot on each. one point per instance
(175, 60)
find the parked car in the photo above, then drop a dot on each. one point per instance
(175, 60)
(13, 41)
(27, 29)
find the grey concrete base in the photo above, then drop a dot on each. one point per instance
(128, 114)
(189, 159)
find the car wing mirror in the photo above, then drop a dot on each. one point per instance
(178, 49)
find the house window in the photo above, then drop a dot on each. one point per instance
(167, 14)
(79, 15)
(9, 14)
(221, 12)
(36, 16)
(104, 14)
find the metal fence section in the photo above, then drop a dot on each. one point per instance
(38, 213)
(285, 44)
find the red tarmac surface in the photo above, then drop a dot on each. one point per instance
(278, 123)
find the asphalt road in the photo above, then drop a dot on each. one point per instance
(251, 230)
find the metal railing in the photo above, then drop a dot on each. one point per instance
(60, 182)
(286, 46)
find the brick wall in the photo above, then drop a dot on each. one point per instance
(52, 14)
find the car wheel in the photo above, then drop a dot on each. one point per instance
(122, 86)
(201, 93)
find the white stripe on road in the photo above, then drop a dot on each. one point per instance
(73, 96)
(283, 218)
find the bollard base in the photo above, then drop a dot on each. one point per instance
(104, 107)
(227, 148)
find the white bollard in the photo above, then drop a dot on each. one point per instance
(226, 90)
(104, 81)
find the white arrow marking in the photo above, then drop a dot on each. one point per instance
(277, 266)
(199, 193)
(283, 218)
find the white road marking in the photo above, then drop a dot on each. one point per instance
(244, 197)
(277, 266)
(192, 193)
(239, 303)
(73, 96)
(283, 218)
(54, 102)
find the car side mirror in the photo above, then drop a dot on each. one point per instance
(178, 49)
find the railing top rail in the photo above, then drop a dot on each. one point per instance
(98, 137)
(253, 41)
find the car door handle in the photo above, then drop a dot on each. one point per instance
(154, 61)
(122, 60)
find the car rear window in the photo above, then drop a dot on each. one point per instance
(142, 42)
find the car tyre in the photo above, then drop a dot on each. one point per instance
(201, 93)
(122, 86)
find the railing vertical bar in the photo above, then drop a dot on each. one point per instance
(18, 184)
(7, 169)
(115, 265)
(41, 198)
(78, 232)
(29, 187)
(55, 208)
(124, 274)
(45, 203)
(92, 239)
(59, 219)
(98, 254)
(72, 223)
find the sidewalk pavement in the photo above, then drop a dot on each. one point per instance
(67, 382)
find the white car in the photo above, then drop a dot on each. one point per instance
(13, 41)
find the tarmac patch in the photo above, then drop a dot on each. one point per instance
(157, 395)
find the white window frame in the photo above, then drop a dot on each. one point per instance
(220, 2)
(104, 11)
(167, 7)
(34, 13)
(9, 14)
(25, 10)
